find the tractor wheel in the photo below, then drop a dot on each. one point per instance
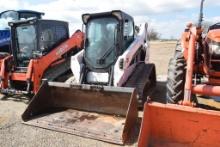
(176, 79)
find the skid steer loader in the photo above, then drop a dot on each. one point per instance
(194, 69)
(40, 49)
(110, 75)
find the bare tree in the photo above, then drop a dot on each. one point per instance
(153, 35)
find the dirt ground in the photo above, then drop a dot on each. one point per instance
(15, 134)
(160, 54)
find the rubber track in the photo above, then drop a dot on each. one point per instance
(140, 80)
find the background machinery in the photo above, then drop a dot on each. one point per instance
(12, 15)
(40, 49)
(194, 69)
(110, 75)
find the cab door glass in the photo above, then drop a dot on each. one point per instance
(47, 37)
(128, 33)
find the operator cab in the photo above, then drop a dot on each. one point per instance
(34, 38)
(108, 35)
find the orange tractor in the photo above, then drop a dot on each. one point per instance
(194, 69)
(40, 49)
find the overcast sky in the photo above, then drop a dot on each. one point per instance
(168, 17)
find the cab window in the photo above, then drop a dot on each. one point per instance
(128, 33)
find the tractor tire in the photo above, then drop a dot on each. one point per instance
(176, 78)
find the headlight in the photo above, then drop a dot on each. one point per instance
(215, 49)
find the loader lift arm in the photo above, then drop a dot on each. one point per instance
(35, 69)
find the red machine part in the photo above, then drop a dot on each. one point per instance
(168, 125)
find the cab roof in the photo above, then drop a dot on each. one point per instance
(120, 15)
(25, 11)
(33, 20)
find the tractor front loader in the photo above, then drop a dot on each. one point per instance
(111, 77)
(40, 49)
(194, 69)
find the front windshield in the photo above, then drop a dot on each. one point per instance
(100, 49)
(12, 15)
(26, 41)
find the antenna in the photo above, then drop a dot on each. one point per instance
(201, 14)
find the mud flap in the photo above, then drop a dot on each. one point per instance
(167, 125)
(102, 113)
